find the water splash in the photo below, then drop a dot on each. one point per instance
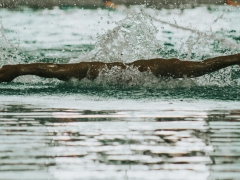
(134, 38)
(202, 43)
(203, 39)
(130, 77)
(9, 53)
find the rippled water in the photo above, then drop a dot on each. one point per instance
(108, 129)
(153, 140)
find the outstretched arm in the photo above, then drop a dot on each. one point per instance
(177, 69)
(62, 72)
(159, 67)
(48, 70)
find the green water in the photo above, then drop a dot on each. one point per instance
(119, 92)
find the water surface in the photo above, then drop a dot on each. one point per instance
(133, 140)
(113, 128)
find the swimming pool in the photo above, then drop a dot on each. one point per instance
(111, 128)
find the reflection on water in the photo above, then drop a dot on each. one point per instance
(55, 143)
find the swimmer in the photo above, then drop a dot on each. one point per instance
(170, 68)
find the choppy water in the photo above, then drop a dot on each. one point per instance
(109, 128)
(87, 140)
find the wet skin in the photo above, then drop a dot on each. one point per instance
(172, 68)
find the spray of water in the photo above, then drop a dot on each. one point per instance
(134, 38)
(9, 53)
(209, 44)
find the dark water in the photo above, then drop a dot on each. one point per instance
(123, 92)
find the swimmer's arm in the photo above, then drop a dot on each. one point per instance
(159, 67)
(47, 70)
(176, 68)
(62, 72)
